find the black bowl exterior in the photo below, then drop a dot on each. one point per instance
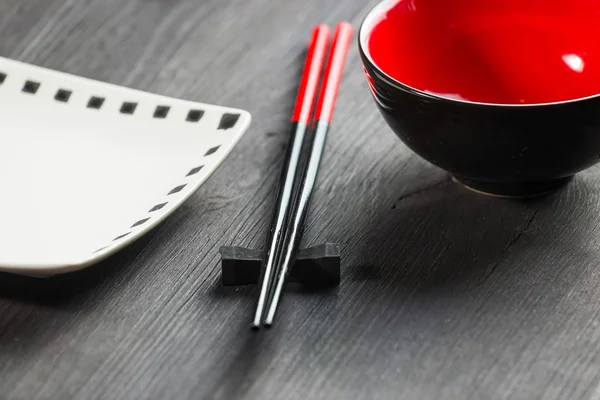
(501, 144)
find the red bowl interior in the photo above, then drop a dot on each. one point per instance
(490, 51)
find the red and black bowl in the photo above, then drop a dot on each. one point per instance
(504, 95)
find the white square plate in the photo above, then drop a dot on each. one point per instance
(87, 167)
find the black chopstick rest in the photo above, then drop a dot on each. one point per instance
(317, 266)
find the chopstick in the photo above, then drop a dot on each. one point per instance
(323, 117)
(300, 118)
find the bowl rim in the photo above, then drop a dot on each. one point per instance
(366, 27)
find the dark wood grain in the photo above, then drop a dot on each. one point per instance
(445, 294)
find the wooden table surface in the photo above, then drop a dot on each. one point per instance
(445, 294)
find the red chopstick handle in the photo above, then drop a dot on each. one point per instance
(317, 50)
(334, 71)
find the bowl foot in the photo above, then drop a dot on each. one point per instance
(501, 189)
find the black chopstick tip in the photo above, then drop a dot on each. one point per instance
(268, 321)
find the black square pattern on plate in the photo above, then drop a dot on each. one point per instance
(140, 222)
(128, 107)
(228, 120)
(157, 207)
(95, 102)
(194, 171)
(212, 150)
(62, 95)
(2, 77)
(100, 249)
(121, 236)
(176, 189)
(195, 115)
(31, 87)
(161, 111)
